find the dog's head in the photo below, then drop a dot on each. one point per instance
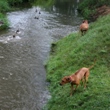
(66, 79)
(85, 21)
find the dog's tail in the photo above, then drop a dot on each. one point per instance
(92, 65)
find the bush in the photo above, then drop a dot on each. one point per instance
(4, 6)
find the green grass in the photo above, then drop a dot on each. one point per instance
(76, 51)
(5, 21)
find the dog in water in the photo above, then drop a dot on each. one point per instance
(17, 31)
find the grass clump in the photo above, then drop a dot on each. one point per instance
(4, 19)
(70, 54)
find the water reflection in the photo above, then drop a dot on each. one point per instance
(68, 7)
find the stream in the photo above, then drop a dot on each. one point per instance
(23, 83)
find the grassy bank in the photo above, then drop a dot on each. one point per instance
(4, 7)
(74, 52)
(3, 18)
(88, 7)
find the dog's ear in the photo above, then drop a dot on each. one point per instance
(83, 21)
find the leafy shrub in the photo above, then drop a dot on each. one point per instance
(4, 6)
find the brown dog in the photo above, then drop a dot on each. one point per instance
(74, 79)
(84, 27)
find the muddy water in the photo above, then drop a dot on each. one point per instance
(23, 83)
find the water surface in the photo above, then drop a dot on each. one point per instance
(23, 83)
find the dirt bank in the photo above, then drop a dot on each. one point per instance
(101, 11)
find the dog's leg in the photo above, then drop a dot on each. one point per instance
(86, 78)
(85, 31)
(72, 88)
(81, 32)
(76, 87)
(82, 81)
